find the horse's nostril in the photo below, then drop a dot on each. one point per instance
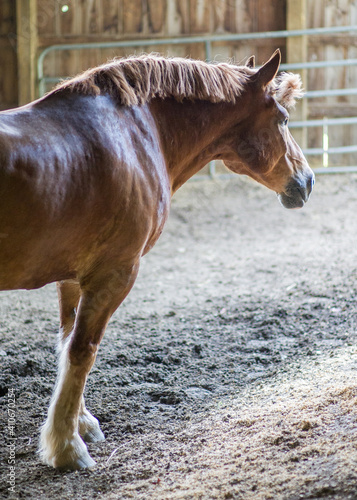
(304, 193)
(311, 183)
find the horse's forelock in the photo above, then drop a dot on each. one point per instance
(288, 88)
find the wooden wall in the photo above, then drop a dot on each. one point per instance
(108, 20)
(8, 58)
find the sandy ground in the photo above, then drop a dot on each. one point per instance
(229, 372)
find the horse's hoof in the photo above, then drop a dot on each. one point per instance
(71, 455)
(83, 462)
(93, 436)
(89, 428)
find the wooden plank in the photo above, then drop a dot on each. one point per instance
(177, 18)
(199, 16)
(231, 20)
(195, 51)
(90, 17)
(132, 16)
(8, 78)
(336, 40)
(337, 13)
(26, 16)
(222, 52)
(296, 19)
(156, 15)
(338, 110)
(7, 17)
(219, 8)
(241, 52)
(110, 17)
(315, 13)
(99, 13)
(297, 52)
(271, 16)
(46, 12)
(109, 54)
(243, 16)
(67, 17)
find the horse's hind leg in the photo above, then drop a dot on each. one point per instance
(69, 293)
(61, 445)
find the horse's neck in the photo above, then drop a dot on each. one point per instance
(190, 133)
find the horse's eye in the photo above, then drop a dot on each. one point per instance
(285, 121)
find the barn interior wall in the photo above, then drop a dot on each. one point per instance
(104, 20)
(8, 57)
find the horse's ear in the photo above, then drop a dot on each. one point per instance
(251, 62)
(267, 72)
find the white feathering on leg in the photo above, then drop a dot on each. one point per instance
(60, 444)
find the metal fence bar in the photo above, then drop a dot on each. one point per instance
(312, 94)
(330, 151)
(319, 64)
(336, 170)
(325, 121)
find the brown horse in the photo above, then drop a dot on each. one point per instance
(86, 178)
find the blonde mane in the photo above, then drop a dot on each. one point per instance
(137, 80)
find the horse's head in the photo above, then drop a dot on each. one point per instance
(261, 145)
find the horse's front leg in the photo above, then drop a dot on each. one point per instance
(69, 293)
(61, 445)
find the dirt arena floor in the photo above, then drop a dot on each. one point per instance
(230, 372)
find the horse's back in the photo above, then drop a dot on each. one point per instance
(77, 176)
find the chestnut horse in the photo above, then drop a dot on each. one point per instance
(86, 177)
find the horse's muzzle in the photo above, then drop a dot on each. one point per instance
(298, 191)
